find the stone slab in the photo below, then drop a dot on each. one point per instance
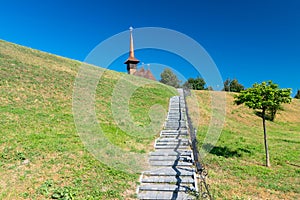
(170, 163)
(171, 153)
(166, 187)
(170, 171)
(169, 179)
(171, 158)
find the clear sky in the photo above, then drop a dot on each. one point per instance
(251, 40)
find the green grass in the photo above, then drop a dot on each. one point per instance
(236, 163)
(37, 126)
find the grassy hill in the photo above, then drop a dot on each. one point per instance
(235, 165)
(41, 154)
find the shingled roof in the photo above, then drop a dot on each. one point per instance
(144, 73)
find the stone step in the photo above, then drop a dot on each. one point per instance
(171, 163)
(178, 142)
(171, 158)
(174, 122)
(176, 112)
(174, 125)
(174, 147)
(172, 144)
(167, 187)
(168, 179)
(171, 140)
(169, 171)
(164, 195)
(179, 135)
(174, 134)
(171, 153)
(173, 131)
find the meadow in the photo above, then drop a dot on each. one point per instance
(236, 163)
(41, 154)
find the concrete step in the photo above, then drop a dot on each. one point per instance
(172, 140)
(169, 171)
(171, 153)
(173, 136)
(167, 187)
(173, 133)
(170, 163)
(168, 179)
(170, 147)
(171, 158)
(163, 195)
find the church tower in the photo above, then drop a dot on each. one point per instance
(131, 62)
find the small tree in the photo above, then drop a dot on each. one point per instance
(195, 84)
(264, 96)
(233, 86)
(169, 78)
(297, 95)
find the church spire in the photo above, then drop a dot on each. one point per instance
(131, 49)
(131, 62)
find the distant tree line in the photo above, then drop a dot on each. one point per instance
(169, 78)
(230, 85)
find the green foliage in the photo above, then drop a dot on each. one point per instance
(265, 96)
(233, 86)
(195, 84)
(297, 96)
(169, 78)
(64, 193)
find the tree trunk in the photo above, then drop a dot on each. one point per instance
(265, 138)
(273, 113)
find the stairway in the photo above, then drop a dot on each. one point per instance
(172, 174)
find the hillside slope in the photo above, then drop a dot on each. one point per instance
(41, 154)
(235, 164)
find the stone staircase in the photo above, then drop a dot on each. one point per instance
(172, 174)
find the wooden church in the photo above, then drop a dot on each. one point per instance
(132, 62)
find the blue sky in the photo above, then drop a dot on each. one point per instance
(252, 41)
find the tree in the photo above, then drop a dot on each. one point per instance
(233, 86)
(297, 95)
(264, 96)
(227, 85)
(195, 84)
(169, 78)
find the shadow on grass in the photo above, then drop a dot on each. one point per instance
(224, 151)
(290, 141)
